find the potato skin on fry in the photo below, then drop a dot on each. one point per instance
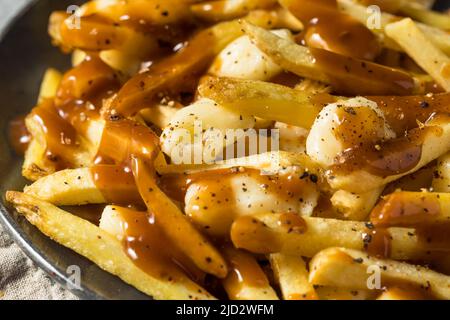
(67, 188)
(100, 247)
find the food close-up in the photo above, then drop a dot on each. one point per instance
(246, 149)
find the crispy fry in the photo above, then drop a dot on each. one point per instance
(263, 99)
(246, 280)
(264, 233)
(292, 276)
(365, 77)
(441, 180)
(352, 269)
(192, 59)
(191, 242)
(100, 247)
(49, 86)
(228, 9)
(407, 34)
(355, 206)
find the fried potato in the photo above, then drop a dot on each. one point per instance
(100, 247)
(191, 241)
(407, 34)
(355, 206)
(228, 9)
(49, 86)
(192, 59)
(292, 276)
(265, 233)
(246, 280)
(36, 165)
(333, 293)
(268, 163)
(262, 99)
(429, 17)
(441, 180)
(347, 268)
(357, 78)
(412, 209)
(440, 38)
(67, 188)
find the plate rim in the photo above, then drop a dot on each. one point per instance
(15, 231)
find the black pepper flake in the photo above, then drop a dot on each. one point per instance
(369, 225)
(114, 117)
(358, 260)
(424, 104)
(313, 178)
(304, 175)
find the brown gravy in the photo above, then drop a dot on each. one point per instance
(150, 249)
(330, 29)
(18, 135)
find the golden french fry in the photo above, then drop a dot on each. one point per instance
(49, 86)
(100, 247)
(333, 293)
(271, 233)
(355, 206)
(339, 267)
(192, 59)
(440, 38)
(228, 9)
(412, 209)
(191, 241)
(347, 75)
(292, 275)
(95, 185)
(36, 165)
(429, 17)
(441, 179)
(246, 280)
(422, 50)
(263, 99)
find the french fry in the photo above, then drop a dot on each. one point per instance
(333, 293)
(292, 275)
(36, 165)
(194, 58)
(270, 162)
(355, 206)
(246, 280)
(412, 209)
(421, 49)
(429, 17)
(66, 188)
(159, 115)
(84, 186)
(159, 12)
(441, 179)
(100, 247)
(228, 9)
(339, 267)
(263, 99)
(191, 242)
(401, 294)
(265, 233)
(440, 38)
(49, 86)
(354, 77)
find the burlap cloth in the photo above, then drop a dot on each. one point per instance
(19, 277)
